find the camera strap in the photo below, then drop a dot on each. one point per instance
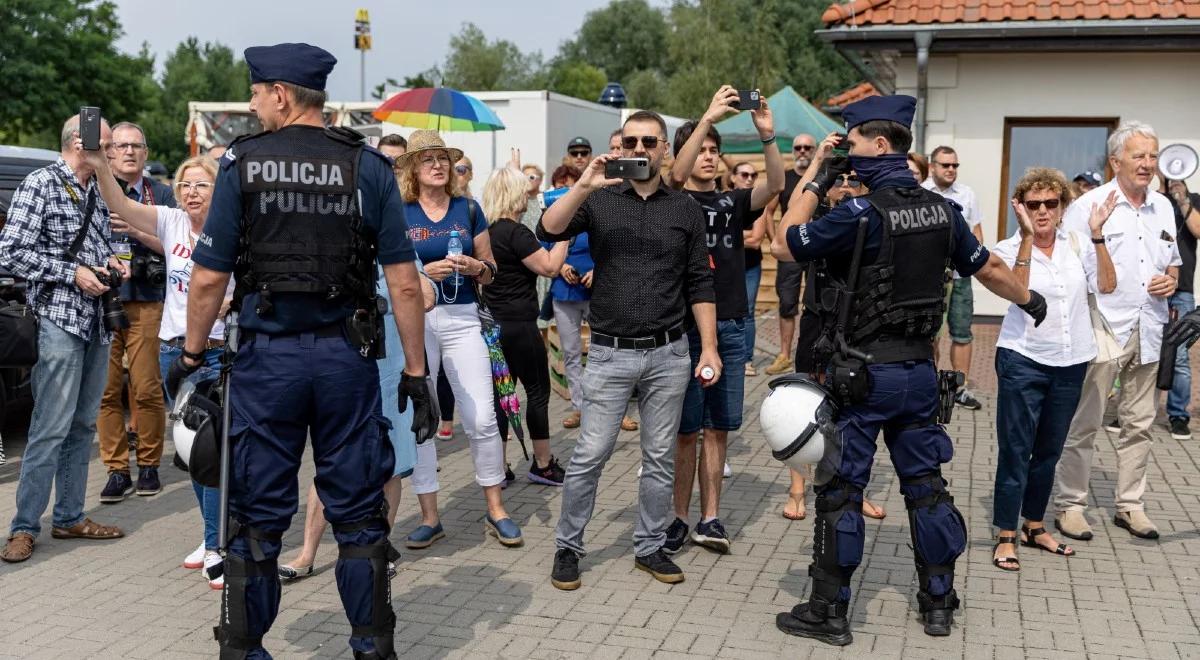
(71, 255)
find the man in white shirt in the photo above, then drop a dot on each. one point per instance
(1140, 236)
(960, 308)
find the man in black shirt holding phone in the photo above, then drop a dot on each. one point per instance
(648, 243)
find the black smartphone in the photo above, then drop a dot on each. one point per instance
(89, 127)
(748, 99)
(637, 169)
(842, 149)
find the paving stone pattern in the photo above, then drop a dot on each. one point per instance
(467, 597)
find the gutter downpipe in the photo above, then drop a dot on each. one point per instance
(923, 41)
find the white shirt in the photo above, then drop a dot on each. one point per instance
(1142, 244)
(962, 195)
(178, 240)
(1065, 337)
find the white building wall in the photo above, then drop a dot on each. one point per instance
(970, 95)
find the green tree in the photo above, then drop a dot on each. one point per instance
(813, 66)
(56, 55)
(646, 88)
(624, 37)
(474, 63)
(192, 72)
(575, 78)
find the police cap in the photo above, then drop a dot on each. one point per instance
(898, 108)
(299, 64)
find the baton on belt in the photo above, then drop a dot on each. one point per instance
(231, 345)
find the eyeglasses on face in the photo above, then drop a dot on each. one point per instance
(953, 166)
(128, 146)
(198, 186)
(430, 161)
(462, 169)
(1035, 204)
(534, 177)
(630, 142)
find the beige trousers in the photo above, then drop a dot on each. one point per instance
(1135, 409)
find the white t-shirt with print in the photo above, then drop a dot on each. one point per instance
(178, 241)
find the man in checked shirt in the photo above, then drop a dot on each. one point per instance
(48, 210)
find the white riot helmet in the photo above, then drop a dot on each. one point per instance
(183, 436)
(795, 418)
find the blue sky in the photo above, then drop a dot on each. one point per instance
(408, 36)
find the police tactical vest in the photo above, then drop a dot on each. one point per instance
(901, 296)
(302, 229)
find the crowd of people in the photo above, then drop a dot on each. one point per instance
(659, 277)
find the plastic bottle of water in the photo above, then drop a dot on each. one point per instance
(454, 248)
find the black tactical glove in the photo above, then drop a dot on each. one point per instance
(425, 417)
(829, 173)
(1185, 331)
(177, 372)
(1036, 307)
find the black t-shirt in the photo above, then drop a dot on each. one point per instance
(754, 256)
(1187, 246)
(790, 181)
(513, 294)
(726, 215)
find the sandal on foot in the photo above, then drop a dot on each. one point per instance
(1005, 563)
(87, 530)
(801, 510)
(1029, 542)
(873, 510)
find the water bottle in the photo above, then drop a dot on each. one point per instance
(454, 248)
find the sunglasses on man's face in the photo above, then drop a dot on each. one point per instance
(848, 181)
(803, 147)
(630, 142)
(953, 166)
(581, 153)
(1035, 204)
(748, 175)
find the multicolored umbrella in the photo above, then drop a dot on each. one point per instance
(506, 388)
(438, 108)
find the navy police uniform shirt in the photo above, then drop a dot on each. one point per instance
(833, 234)
(382, 210)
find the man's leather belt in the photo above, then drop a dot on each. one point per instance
(208, 345)
(638, 343)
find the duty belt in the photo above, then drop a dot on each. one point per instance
(323, 332)
(208, 344)
(638, 343)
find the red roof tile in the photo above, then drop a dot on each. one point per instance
(846, 97)
(900, 12)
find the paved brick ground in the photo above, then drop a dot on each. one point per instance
(469, 598)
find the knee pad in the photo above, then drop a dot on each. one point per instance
(382, 623)
(938, 533)
(838, 540)
(235, 632)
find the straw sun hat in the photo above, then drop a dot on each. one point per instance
(427, 140)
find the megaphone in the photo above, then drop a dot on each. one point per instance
(1177, 162)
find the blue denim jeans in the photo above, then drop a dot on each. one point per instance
(718, 406)
(68, 381)
(1034, 407)
(1181, 392)
(660, 376)
(206, 497)
(753, 278)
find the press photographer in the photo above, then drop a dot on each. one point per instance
(137, 345)
(57, 238)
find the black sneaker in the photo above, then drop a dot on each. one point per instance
(824, 622)
(1179, 428)
(966, 400)
(509, 477)
(712, 535)
(660, 566)
(551, 475)
(119, 485)
(677, 535)
(565, 575)
(148, 483)
(1113, 425)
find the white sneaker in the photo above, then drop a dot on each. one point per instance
(727, 471)
(214, 564)
(639, 471)
(196, 559)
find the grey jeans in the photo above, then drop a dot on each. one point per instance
(661, 377)
(569, 316)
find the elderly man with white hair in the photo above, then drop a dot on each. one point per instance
(1128, 324)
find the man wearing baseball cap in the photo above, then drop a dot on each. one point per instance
(579, 153)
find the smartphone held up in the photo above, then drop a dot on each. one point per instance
(637, 169)
(89, 127)
(748, 99)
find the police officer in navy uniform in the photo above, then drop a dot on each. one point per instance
(300, 215)
(882, 373)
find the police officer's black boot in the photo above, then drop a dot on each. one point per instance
(819, 620)
(937, 612)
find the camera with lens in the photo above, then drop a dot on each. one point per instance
(147, 268)
(111, 309)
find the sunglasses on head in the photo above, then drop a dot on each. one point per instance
(1034, 204)
(579, 153)
(803, 147)
(953, 166)
(631, 141)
